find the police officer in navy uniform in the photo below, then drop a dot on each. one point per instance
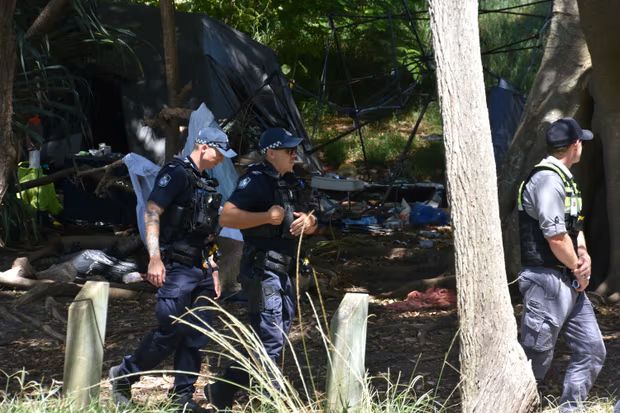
(556, 267)
(268, 209)
(181, 223)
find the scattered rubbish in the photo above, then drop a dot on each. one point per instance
(433, 138)
(132, 277)
(334, 183)
(367, 229)
(366, 220)
(393, 222)
(422, 214)
(433, 297)
(426, 243)
(90, 262)
(429, 234)
(405, 212)
(41, 198)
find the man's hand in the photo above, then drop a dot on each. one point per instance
(156, 273)
(583, 271)
(584, 266)
(298, 223)
(275, 215)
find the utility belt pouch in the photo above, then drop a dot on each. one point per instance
(276, 262)
(185, 254)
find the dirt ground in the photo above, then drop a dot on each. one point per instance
(404, 344)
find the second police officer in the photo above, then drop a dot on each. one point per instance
(267, 207)
(556, 267)
(181, 222)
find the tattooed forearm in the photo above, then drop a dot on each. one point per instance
(151, 221)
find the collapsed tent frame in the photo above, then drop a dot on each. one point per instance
(402, 95)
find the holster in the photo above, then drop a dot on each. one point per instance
(273, 261)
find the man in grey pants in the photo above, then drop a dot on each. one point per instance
(556, 267)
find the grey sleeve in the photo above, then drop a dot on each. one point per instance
(543, 199)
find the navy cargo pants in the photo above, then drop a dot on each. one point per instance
(277, 310)
(551, 304)
(271, 310)
(184, 288)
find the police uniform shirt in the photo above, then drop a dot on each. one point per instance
(543, 199)
(172, 186)
(256, 192)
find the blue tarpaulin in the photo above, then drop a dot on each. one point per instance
(505, 109)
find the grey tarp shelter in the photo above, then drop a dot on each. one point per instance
(232, 74)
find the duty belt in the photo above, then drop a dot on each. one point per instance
(184, 254)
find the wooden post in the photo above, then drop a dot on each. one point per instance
(346, 366)
(85, 338)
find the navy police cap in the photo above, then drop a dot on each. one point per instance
(217, 139)
(275, 138)
(563, 132)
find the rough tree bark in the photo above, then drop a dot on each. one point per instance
(496, 376)
(51, 14)
(172, 78)
(599, 24)
(559, 90)
(8, 154)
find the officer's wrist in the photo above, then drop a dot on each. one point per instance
(574, 267)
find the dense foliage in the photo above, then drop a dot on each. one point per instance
(300, 30)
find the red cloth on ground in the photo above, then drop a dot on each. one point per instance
(434, 297)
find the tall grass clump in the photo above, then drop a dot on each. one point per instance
(33, 397)
(272, 391)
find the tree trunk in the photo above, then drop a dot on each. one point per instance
(172, 79)
(559, 90)
(495, 374)
(51, 14)
(599, 26)
(8, 154)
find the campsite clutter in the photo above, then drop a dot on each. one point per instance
(379, 230)
(96, 189)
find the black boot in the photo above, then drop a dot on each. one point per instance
(121, 388)
(221, 395)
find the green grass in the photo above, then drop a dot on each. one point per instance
(593, 405)
(498, 29)
(33, 397)
(384, 141)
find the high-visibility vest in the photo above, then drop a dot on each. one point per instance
(535, 250)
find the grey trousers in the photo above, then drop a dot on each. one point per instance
(551, 304)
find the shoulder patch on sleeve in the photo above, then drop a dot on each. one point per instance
(244, 182)
(164, 180)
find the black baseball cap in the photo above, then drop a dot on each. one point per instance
(275, 138)
(565, 131)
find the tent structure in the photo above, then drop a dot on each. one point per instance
(505, 109)
(239, 79)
